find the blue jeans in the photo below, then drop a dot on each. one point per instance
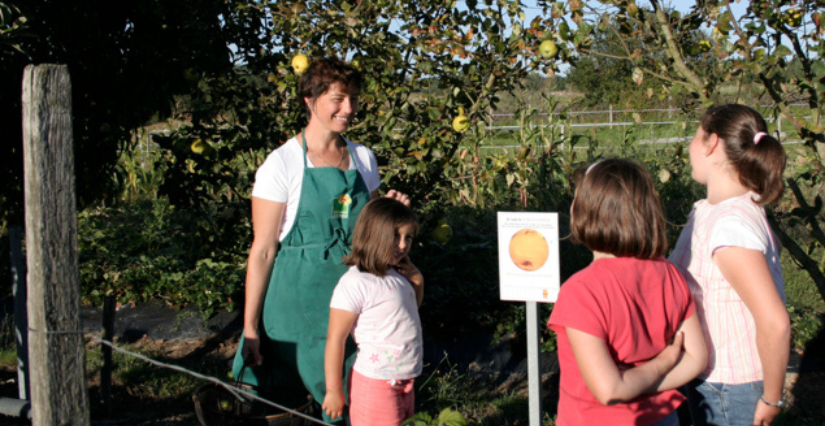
(719, 404)
(672, 419)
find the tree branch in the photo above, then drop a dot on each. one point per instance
(805, 261)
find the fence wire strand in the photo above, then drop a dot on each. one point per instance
(234, 390)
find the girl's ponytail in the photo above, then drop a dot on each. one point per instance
(761, 167)
(756, 155)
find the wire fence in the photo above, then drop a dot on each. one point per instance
(239, 393)
(613, 118)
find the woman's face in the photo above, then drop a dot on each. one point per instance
(403, 242)
(335, 108)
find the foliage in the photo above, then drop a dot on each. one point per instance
(776, 44)
(607, 77)
(804, 327)
(126, 62)
(13, 27)
(148, 250)
(402, 47)
(447, 417)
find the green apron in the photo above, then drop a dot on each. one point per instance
(295, 314)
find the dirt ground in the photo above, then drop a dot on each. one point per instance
(807, 390)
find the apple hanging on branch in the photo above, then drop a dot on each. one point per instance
(548, 49)
(461, 123)
(300, 63)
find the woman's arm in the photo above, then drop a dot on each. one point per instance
(266, 225)
(748, 273)
(340, 325)
(693, 360)
(604, 379)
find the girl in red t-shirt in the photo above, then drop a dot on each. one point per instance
(627, 331)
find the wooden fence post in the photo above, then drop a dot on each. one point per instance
(56, 352)
(610, 116)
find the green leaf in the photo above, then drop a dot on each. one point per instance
(782, 51)
(448, 417)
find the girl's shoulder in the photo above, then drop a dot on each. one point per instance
(743, 207)
(355, 275)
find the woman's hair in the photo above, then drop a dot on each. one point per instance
(323, 73)
(616, 210)
(373, 240)
(755, 155)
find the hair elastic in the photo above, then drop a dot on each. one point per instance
(757, 137)
(590, 167)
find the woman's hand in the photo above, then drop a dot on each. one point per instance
(400, 196)
(252, 349)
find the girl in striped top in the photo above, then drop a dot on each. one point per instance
(730, 259)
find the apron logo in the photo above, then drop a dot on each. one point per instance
(341, 206)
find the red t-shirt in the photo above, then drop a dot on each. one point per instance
(635, 306)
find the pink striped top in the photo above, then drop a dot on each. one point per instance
(728, 326)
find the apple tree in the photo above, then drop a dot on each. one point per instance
(424, 62)
(774, 49)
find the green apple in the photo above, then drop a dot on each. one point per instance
(442, 232)
(548, 49)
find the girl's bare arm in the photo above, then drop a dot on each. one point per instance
(606, 381)
(748, 273)
(340, 325)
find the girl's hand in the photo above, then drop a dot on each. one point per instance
(334, 404)
(765, 414)
(671, 354)
(400, 196)
(251, 349)
(406, 268)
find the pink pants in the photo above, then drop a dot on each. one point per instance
(375, 402)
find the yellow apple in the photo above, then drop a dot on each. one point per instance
(201, 147)
(548, 49)
(792, 17)
(461, 123)
(300, 63)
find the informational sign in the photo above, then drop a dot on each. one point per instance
(528, 256)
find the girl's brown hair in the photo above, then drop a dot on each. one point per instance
(616, 210)
(323, 73)
(759, 162)
(373, 239)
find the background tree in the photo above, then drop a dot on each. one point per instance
(774, 50)
(127, 62)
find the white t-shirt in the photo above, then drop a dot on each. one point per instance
(280, 177)
(388, 328)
